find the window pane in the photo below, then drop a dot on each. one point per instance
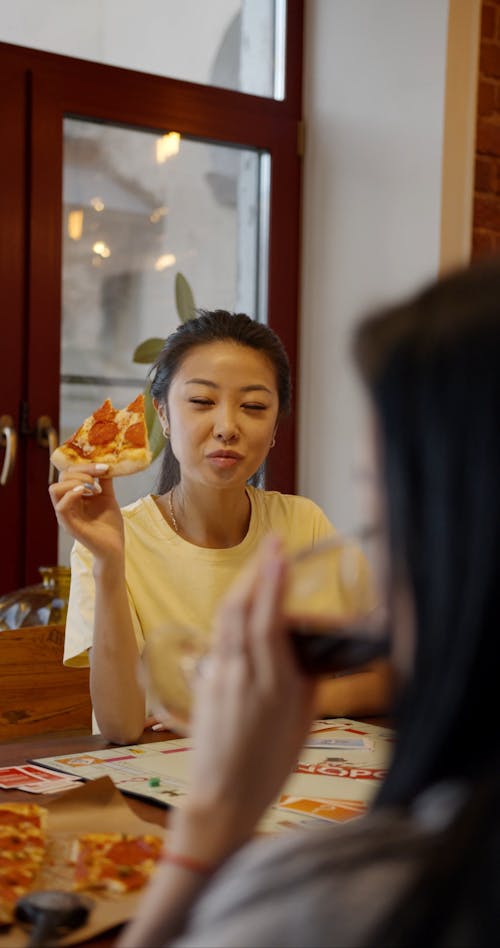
(138, 208)
(235, 44)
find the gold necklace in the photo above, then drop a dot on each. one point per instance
(171, 510)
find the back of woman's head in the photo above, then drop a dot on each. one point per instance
(209, 327)
(432, 366)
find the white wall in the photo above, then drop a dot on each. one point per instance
(374, 105)
(155, 36)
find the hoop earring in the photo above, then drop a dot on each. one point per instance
(166, 433)
(273, 442)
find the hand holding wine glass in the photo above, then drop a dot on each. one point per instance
(252, 710)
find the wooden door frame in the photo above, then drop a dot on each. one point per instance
(13, 250)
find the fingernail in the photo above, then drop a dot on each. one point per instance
(101, 467)
(97, 487)
(88, 489)
(157, 727)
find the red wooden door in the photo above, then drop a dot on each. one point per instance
(13, 104)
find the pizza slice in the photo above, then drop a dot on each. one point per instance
(117, 437)
(22, 851)
(16, 845)
(114, 862)
(24, 816)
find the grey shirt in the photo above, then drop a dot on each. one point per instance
(327, 886)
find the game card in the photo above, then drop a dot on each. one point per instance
(340, 743)
(336, 811)
(48, 786)
(29, 775)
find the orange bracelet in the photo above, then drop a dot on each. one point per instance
(189, 863)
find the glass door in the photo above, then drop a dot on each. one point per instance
(138, 208)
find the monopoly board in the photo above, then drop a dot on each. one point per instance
(337, 773)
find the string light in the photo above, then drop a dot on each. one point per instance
(157, 214)
(101, 249)
(75, 224)
(166, 260)
(167, 146)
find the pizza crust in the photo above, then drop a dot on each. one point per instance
(62, 460)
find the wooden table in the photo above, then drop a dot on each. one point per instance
(49, 745)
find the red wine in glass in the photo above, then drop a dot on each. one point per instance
(335, 651)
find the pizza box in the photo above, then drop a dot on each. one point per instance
(93, 807)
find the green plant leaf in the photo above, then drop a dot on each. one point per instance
(156, 439)
(155, 435)
(148, 351)
(184, 299)
(149, 408)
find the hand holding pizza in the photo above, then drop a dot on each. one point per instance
(109, 443)
(86, 506)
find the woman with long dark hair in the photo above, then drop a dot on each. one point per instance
(221, 386)
(423, 867)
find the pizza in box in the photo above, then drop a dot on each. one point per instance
(106, 862)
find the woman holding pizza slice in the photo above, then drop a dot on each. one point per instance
(220, 387)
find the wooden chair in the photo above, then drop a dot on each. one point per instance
(38, 694)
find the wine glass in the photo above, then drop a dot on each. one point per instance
(335, 620)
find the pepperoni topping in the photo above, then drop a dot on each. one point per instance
(17, 843)
(106, 412)
(137, 404)
(18, 875)
(103, 432)
(129, 852)
(7, 894)
(13, 818)
(135, 435)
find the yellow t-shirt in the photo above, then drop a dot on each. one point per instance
(173, 582)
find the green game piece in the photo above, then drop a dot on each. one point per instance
(154, 782)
